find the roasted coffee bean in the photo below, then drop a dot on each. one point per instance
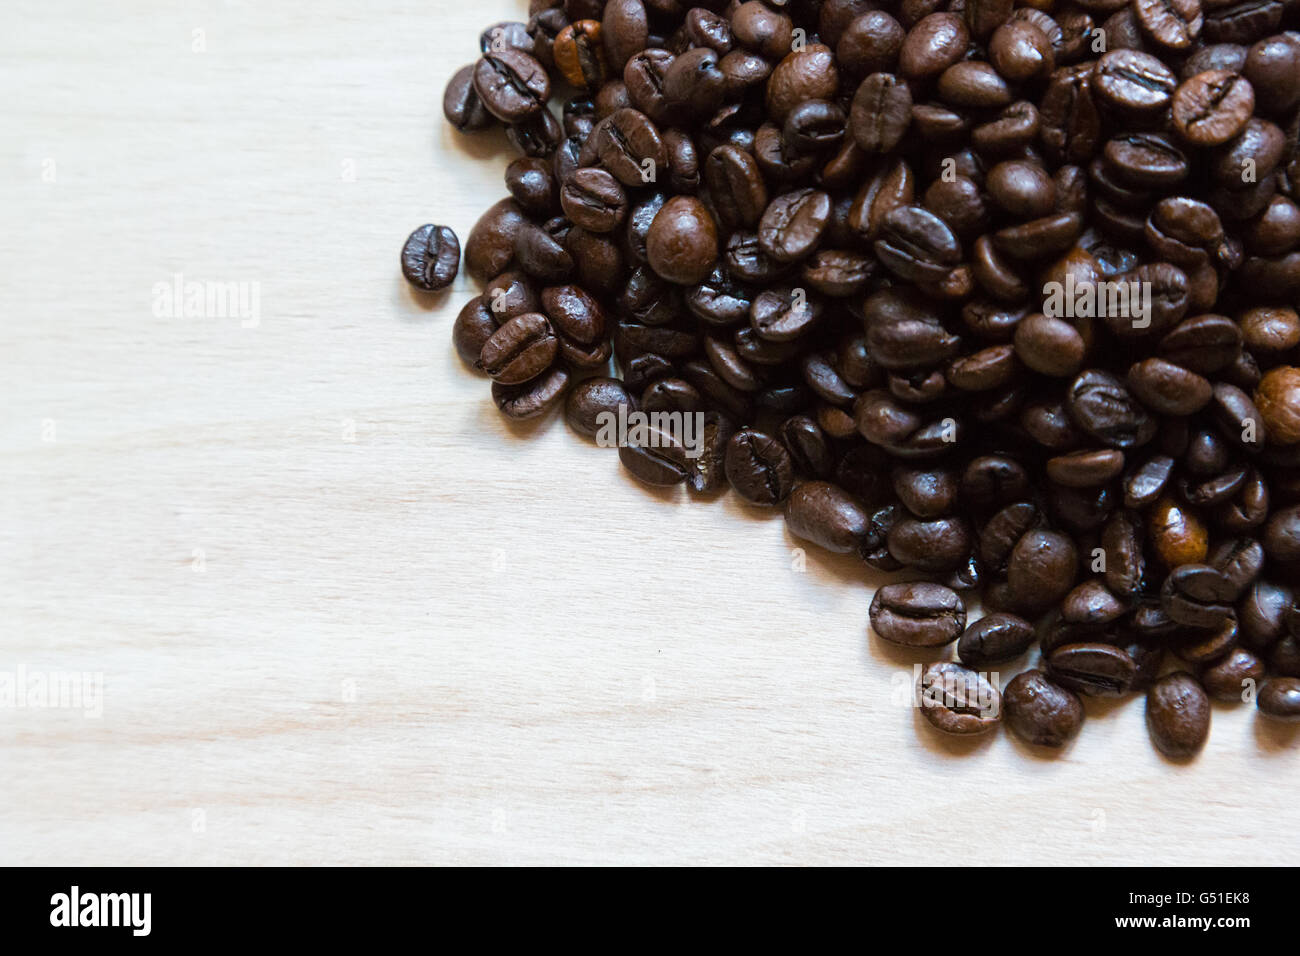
(759, 467)
(461, 104)
(534, 397)
(1231, 677)
(431, 258)
(1098, 670)
(1042, 568)
(995, 639)
(1212, 107)
(1040, 711)
(920, 614)
(1197, 595)
(519, 350)
(511, 84)
(735, 185)
(1134, 82)
(932, 45)
(1178, 715)
(826, 515)
(579, 53)
(938, 544)
(917, 245)
(682, 244)
(958, 700)
(491, 243)
(594, 404)
(793, 224)
(1279, 698)
(594, 200)
(1106, 410)
(880, 113)
(1277, 399)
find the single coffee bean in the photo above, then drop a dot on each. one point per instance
(682, 244)
(491, 243)
(519, 350)
(1232, 677)
(826, 515)
(920, 614)
(594, 200)
(1197, 595)
(995, 639)
(1279, 698)
(594, 404)
(512, 85)
(759, 467)
(461, 104)
(1134, 82)
(533, 398)
(431, 258)
(1041, 712)
(958, 700)
(880, 113)
(793, 224)
(1212, 107)
(1278, 400)
(1098, 670)
(1042, 568)
(579, 53)
(1178, 715)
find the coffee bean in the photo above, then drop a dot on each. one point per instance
(920, 614)
(1212, 107)
(759, 467)
(534, 397)
(511, 84)
(995, 639)
(461, 104)
(1098, 670)
(1041, 712)
(958, 700)
(682, 244)
(1134, 82)
(594, 200)
(880, 113)
(793, 224)
(431, 258)
(1178, 715)
(519, 350)
(826, 515)
(1279, 698)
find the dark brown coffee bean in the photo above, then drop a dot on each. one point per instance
(1279, 698)
(491, 243)
(920, 614)
(880, 113)
(533, 398)
(932, 45)
(461, 104)
(759, 467)
(1178, 715)
(594, 200)
(995, 639)
(1098, 670)
(793, 224)
(511, 84)
(1041, 712)
(519, 350)
(682, 244)
(431, 258)
(958, 700)
(1134, 82)
(1212, 107)
(826, 515)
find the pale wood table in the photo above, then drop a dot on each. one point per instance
(342, 612)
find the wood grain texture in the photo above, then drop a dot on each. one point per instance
(343, 612)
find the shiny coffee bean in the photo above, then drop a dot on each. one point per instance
(920, 614)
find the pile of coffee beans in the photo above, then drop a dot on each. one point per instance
(1000, 294)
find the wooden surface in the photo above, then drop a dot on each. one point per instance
(342, 612)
